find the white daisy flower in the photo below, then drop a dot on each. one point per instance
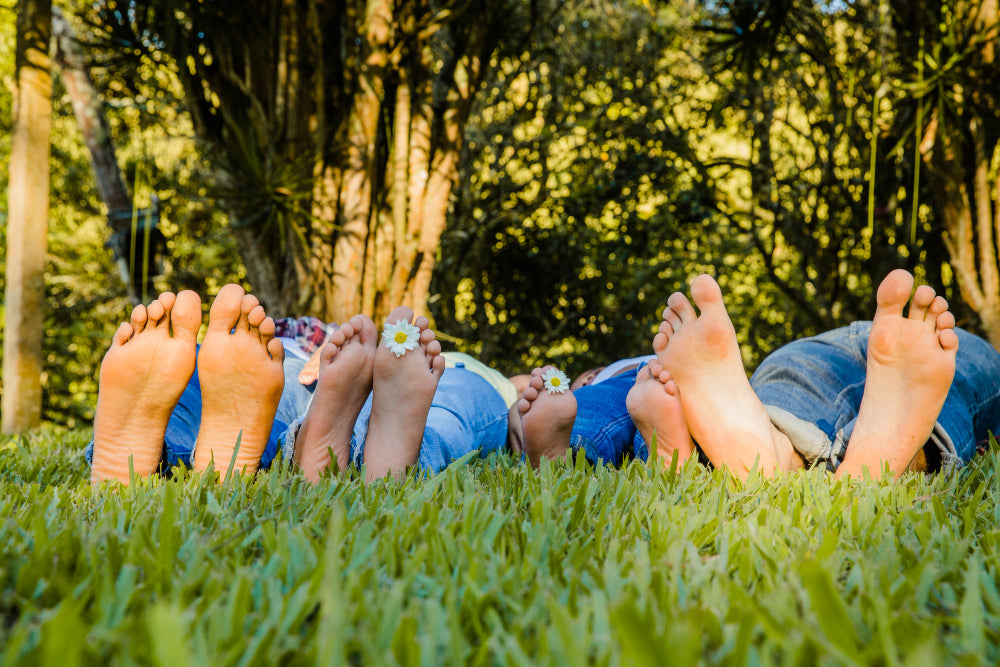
(556, 382)
(400, 337)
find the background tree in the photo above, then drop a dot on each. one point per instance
(947, 120)
(336, 128)
(585, 204)
(27, 223)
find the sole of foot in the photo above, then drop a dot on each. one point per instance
(723, 413)
(239, 368)
(654, 404)
(403, 389)
(143, 375)
(547, 419)
(344, 381)
(910, 367)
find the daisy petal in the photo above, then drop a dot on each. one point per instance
(400, 337)
(556, 382)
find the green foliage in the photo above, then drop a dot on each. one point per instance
(586, 203)
(86, 299)
(493, 562)
(756, 141)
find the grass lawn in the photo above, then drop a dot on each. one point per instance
(495, 563)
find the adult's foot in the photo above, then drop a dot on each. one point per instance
(911, 363)
(143, 376)
(344, 382)
(723, 413)
(403, 389)
(654, 404)
(546, 419)
(239, 368)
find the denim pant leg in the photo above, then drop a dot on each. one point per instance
(812, 390)
(603, 428)
(295, 399)
(467, 414)
(972, 409)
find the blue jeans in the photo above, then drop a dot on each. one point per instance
(812, 391)
(603, 428)
(467, 414)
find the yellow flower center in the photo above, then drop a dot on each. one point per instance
(400, 337)
(555, 382)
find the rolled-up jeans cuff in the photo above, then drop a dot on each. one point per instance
(287, 441)
(816, 448)
(950, 459)
(811, 443)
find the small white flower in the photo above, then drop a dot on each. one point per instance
(556, 382)
(400, 337)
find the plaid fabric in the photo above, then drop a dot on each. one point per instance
(308, 332)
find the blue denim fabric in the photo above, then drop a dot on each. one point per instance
(812, 390)
(603, 428)
(182, 429)
(466, 415)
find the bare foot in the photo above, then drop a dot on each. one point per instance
(241, 382)
(723, 413)
(911, 363)
(546, 419)
(345, 380)
(654, 404)
(143, 376)
(403, 390)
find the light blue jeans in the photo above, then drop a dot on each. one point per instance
(467, 414)
(812, 391)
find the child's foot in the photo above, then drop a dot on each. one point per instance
(239, 368)
(143, 376)
(345, 380)
(546, 419)
(654, 404)
(723, 413)
(911, 363)
(404, 387)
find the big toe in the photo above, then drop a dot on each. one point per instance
(185, 315)
(400, 313)
(225, 310)
(893, 293)
(367, 332)
(706, 293)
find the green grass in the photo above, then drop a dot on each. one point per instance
(495, 563)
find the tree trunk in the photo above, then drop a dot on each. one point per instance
(89, 115)
(27, 225)
(93, 124)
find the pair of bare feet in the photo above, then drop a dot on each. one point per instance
(351, 366)
(152, 358)
(698, 387)
(547, 418)
(150, 362)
